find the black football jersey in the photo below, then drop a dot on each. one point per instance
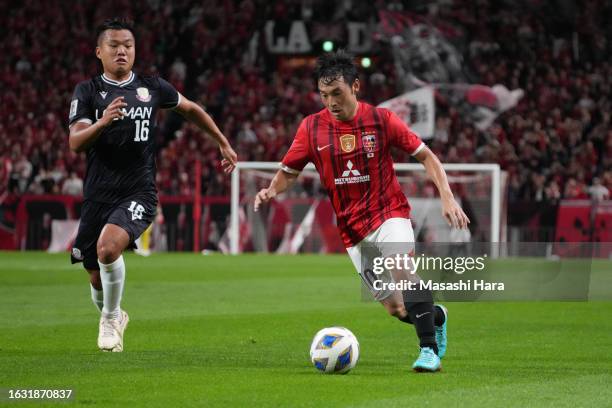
(121, 162)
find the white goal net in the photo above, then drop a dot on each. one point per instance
(302, 219)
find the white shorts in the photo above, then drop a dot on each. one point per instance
(394, 237)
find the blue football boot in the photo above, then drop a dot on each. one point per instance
(428, 361)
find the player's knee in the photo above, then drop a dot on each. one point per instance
(108, 251)
(397, 310)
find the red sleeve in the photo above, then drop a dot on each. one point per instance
(298, 155)
(400, 135)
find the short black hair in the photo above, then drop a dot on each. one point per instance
(333, 65)
(114, 24)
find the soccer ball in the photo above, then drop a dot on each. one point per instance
(334, 350)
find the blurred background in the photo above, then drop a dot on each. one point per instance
(522, 84)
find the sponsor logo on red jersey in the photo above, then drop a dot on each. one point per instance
(351, 175)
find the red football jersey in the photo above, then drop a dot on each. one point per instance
(354, 162)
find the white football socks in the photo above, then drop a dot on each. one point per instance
(97, 296)
(112, 276)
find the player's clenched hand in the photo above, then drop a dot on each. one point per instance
(453, 214)
(229, 158)
(264, 195)
(113, 111)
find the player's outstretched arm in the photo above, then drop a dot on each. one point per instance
(451, 211)
(280, 183)
(195, 114)
(83, 135)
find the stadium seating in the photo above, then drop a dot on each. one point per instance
(553, 144)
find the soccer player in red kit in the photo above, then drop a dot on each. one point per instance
(350, 143)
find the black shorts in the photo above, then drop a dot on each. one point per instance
(134, 215)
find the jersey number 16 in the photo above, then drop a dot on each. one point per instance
(142, 130)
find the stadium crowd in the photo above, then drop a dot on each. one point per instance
(556, 143)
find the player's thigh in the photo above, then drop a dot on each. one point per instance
(395, 236)
(134, 216)
(395, 239)
(94, 216)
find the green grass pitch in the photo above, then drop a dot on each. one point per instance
(235, 332)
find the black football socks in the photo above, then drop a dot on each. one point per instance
(422, 316)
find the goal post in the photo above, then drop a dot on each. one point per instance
(487, 176)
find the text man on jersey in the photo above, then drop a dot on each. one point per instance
(112, 119)
(349, 143)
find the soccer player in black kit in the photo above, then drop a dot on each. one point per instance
(112, 119)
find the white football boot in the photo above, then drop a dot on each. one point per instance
(110, 337)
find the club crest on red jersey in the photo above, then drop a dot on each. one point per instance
(347, 143)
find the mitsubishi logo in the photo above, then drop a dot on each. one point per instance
(351, 176)
(349, 166)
